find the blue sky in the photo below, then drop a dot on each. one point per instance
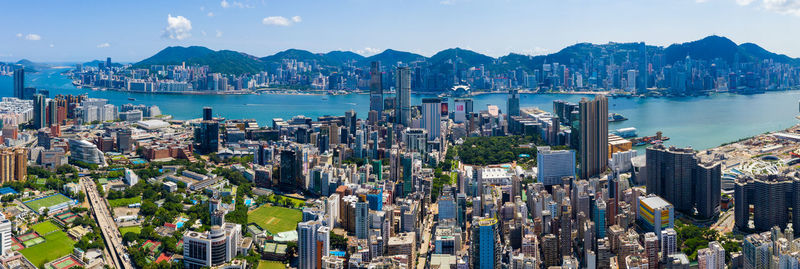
(128, 31)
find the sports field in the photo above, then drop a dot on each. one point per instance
(66, 216)
(56, 244)
(275, 219)
(45, 227)
(135, 229)
(264, 264)
(124, 201)
(47, 201)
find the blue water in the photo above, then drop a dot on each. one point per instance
(700, 122)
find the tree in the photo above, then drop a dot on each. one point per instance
(148, 208)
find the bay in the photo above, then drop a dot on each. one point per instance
(701, 122)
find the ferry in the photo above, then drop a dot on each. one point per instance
(131, 99)
(613, 117)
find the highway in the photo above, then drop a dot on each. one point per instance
(107, 225)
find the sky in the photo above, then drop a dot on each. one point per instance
(129, 31)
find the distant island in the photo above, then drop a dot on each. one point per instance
(712, 64)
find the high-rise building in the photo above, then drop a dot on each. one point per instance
(641, 84)
(550, 250)
(655, 214)
(771, 198)
(351, 121)
(125, 141)
(362, 220)
(403, 96)
(651, 249)
(485, 244)
(376, 88)
(13, 164)
(593, 136)
(554, 165)
(432, 117)
(211, 248)
(513, 103)
(679, 177)
(313, 243)
(19, 82)
(712, 257)
(39, 111)
(463, 107)
(207, 113)
(206, 137)
(5, 236)
(669, 241)
(599, 217)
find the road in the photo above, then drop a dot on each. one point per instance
(427, 225)
(107, 225)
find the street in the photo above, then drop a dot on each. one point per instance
(107, 225)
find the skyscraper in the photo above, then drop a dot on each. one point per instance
(641, 84)
(313, 243)
(211, 248)
(403, 96)
(485, 244)
(19, 82)
(432, 117)
(513, 103)
(593, 136)
(554, 165)
(679, 177)
(52, 113)
(362, 220)
(207, 113)
(375, 88)
(39, 111)
(206, 135)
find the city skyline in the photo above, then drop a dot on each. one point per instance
(264, 27)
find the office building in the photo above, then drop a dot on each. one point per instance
(593, 133)
(554, 165)
(125, 141)
(651, 249)
(403, 89)
(513, 103)
(362, 220)
(641, 84)
(39, 111)
(679, 177)
(599, 217)
(84, 151)
(655, 214)
(431, 117)
(669, 242)
(376, 88)
(485, 249)
(211, 248)
(206, 137)
(403, 244)
(19, 82)
(207, 113)
(463, 107)
(5, 236)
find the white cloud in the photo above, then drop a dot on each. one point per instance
(210, 14)
(224, 4)
(33, 37)
(203, 32)
(103, 45)
(531, 51)
(791, 7)
(277, 21)
(202, 8)
(447, 2)
(297, 19)
(52, 45)
(178, 27)
(219, 33)
(700, 1)
(744, 2)
(367, 51)
(19, 35)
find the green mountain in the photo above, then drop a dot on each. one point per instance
(758, 52)
(293, 54)
(707, 48)
(223, 61)
(391, 57)
(338, 57)
(32, 66)
(96, 62)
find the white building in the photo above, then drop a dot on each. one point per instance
(432, 117)
(130, 177)
(211, 248)
(712, 257)
(313, 243)
(5, 236)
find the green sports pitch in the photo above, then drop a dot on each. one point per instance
(56, 244)
(275, 219)
(47, 202)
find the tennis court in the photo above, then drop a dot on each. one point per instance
(66, 216)
(66, 263)
(151, 246)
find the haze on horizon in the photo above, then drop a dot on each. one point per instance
(61, 31)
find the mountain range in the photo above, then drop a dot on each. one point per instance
(232, 62)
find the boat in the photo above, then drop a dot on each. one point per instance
(131, 99)
(613, 117)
